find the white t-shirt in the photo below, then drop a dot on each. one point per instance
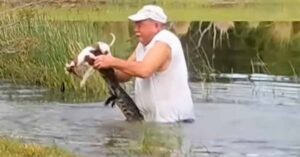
(165, 96)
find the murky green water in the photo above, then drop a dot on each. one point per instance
(252, 116)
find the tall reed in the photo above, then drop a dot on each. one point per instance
(34, 51)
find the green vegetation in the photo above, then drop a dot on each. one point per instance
(189, 10)
(36, 51)
(243, 47)
(14, 148)
(151, 140)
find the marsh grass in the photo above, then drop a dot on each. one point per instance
(178, 10)
(34, 51)
(16, 148)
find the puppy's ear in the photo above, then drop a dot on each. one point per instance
(89, 60)
(93, 51)
(96, 52)
(106, 52)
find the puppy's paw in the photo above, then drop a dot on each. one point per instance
(82, 83)
(69, 67)
(70, 64)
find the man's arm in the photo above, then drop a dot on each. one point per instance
(124, 77)
(157, 59)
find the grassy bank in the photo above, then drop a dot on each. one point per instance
(14, 148)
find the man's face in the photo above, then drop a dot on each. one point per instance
(145, 30)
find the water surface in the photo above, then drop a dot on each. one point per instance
(258, 117)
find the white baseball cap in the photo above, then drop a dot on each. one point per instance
(153, 12)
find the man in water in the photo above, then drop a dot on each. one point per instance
(161, 79)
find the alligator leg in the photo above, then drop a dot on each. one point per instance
(111, 99)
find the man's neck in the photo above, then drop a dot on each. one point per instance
(151, 38)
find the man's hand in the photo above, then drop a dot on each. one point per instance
(104, 61)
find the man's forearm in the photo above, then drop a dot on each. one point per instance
(122, 77)
(132, 68)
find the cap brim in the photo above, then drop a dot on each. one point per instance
(137, 17)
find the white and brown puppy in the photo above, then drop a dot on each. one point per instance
(79, 60)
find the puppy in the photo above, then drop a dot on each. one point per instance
(79, 63)
(118, 95)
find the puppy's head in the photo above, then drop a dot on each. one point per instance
(100, 48)
(78, 61)
(87, 57)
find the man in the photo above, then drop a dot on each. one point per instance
(161, 85)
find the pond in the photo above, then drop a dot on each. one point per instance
(245, 116)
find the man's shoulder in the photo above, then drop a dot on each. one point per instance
(166, 32)
(166, 35)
